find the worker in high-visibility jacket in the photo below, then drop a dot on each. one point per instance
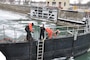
(50, 32)
(29, 29)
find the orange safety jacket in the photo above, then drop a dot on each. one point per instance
(30, 27)
(50, 32)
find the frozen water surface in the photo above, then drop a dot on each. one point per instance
(10, 15)
(10, 28)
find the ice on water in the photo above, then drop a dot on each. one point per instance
(15, 30)
(8, 28)
(10, 15)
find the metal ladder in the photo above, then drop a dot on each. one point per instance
(40, 49)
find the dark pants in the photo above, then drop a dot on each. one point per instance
(41, 35)
(29, 36)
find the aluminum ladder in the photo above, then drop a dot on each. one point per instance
(40, 49)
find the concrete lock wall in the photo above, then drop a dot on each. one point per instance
(15, 8)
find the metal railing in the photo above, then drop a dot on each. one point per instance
(12, 34)
(19, 35)
(70, 30)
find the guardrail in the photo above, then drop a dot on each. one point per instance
(12, 33)
(15, 34)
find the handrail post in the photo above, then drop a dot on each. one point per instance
(67, 30)
(14, 34)
(75, 34)
(3, 32)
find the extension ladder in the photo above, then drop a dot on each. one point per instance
(40, 49)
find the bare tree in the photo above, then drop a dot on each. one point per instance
(11, 1)
(26, 2)
(2, 0)
(80, 1)
(19, 1)
(88, 4)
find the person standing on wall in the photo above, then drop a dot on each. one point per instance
(29, 29)
(42, 30)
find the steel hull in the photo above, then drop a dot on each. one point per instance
(54, 48)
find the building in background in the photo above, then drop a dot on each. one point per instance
(44, 13)
(39, 4)
(63, 4)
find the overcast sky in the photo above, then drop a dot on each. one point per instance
(76, 1)
(71, 1)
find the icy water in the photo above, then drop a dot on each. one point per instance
(15, 30)
(86, 56)
(8, 28)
